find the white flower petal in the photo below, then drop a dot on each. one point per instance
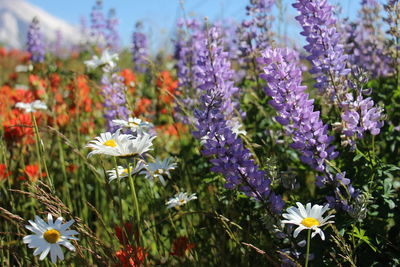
(44, 253)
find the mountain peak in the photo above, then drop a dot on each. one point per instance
(15, 17)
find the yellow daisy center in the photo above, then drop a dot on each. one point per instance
(52, 236)
(310, 222)
(110, 143)
(159, 171)
(133, 123)
(182, 201)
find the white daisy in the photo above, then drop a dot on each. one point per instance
(106, 59)
(179, 200)
(123, 172)
(49, 236)
(159, 168)
(31, 107)
(23, 68)
(308, 218)
(120, 145)
(135, 124)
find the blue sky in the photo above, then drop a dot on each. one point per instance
(159, 16)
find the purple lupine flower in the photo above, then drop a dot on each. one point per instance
(283, 75)
(139, 49)
(113, 91)
(367, 41)
(98, 23)
(112, 37)
(327, 54)
(254, 34)
(231, 159)
(190, 39)
(261, 22)
(35, 45)
(342, 188)
(282, 72)
(328, 61)
(392, 9)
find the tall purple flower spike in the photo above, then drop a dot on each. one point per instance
(139, 49)
(190, 37)
(283, 75)
(231, 158)
(328, 60)
(367, 41)
(98, 22)
(35, 45)
(112, 38)
(113, 92)
(282, 72)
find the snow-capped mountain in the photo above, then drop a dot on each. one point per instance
(15, 17)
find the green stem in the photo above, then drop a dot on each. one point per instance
(308, 246)
(121, 213)
(38, 152)
(135, 201)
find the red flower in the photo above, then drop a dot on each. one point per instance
(32, 171)
(167, 86)
(131, 257)
(173, 129)
(38, 85)
(123, 236)
(3, 52)
(3, 172)
(142, 106)
(72, 168)
(55, 81)
(18, 128)
(129, 80)
(80, 95)
(181, 245)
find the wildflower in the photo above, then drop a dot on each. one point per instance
(120, 145)
(307, 218)
(23, 68)
(329, 65)
(283, 75)
(139, 49)
(49, 236)
(33, 173)
(106, 59)
(98, 23)
(159, 168)
(15, 129)
(123, 172)
(112, 36)
(3, 172)
(181, 245)
(218, 103)
(236, 127)
(180, 199)
(135, 124)
(143, 105)
(31, 107)
(129, 80)
(122, 232)
(131, 256)
(35, 42)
